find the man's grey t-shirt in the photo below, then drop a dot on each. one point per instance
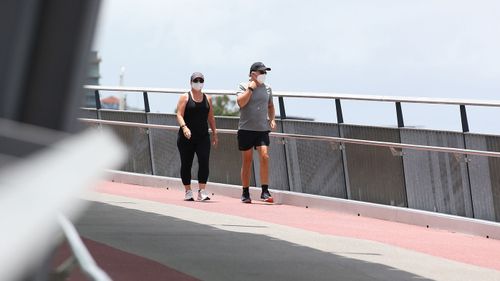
(253, 116)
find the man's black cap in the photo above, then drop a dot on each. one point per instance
(256, 66)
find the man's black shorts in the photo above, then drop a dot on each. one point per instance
(248, 139)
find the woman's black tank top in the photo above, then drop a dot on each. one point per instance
(196, 117)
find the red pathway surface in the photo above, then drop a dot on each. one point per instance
(454, 246)
(120, 265)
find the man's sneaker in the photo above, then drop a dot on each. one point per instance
(203, 195)
(266, 196)
(189, 195)
(245, 197)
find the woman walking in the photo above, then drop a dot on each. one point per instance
(194, 113)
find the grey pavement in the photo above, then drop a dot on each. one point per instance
(212, 246)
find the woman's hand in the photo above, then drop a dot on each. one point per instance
(187, 132)
(215, 140)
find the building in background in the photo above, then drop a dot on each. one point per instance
(111, 102)
(93, 76)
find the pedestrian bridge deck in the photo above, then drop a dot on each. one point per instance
(150, 233)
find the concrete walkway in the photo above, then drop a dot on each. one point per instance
(224, 239)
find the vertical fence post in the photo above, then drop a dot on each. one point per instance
(97, 99)
(282, 108)
(148, 131)
(281, 102)
(97, 103)
(146, 102)
(463, 116)
(343, 156)
(338, 107)
(465, 129)
(401, 124)
(399, 113)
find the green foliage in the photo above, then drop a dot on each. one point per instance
(224, 106)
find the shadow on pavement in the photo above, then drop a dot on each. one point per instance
(209, 253)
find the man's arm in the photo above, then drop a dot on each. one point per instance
(271, 113)
(243, 98)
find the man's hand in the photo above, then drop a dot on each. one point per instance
(272, 123)
(252, 84)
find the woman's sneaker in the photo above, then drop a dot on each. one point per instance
(266, 196)
(189, 195)
(203, 195)
(245, 197)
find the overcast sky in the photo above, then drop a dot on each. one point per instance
(430, 48)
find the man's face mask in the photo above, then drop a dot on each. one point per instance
(261, 78)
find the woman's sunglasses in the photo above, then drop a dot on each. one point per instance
(198, 80)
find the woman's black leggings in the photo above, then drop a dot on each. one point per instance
(187, 149)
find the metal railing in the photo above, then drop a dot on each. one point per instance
(396, 189)
(462, 103)
(49, 152)
(82, 255)
(341, 96)
(390, 145)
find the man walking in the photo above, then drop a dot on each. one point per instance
(255, 100)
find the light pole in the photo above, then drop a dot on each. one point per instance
(122, 75)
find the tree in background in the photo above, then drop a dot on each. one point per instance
(224, 106)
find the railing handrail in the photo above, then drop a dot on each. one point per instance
(391, 145)
(154, 90)
(82, 255)
(340, 96)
